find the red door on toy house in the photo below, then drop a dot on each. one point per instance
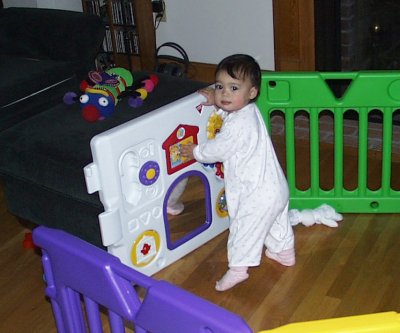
(182, 135)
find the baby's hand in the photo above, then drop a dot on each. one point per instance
(187, 150)
(208, 93)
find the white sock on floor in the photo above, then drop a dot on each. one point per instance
(232, 277)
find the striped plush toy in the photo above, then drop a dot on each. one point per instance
(103, 90)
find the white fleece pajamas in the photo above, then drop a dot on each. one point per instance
(255, 186)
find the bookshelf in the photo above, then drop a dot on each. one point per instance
(130, 35)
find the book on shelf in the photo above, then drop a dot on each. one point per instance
(126, 40)
(121, 35)
(122, 12)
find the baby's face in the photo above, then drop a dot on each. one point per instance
(232, 94)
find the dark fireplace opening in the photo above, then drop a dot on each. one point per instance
(354, 35)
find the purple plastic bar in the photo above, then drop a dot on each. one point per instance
(80, 275)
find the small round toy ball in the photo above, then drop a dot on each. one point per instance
(70, 98)
(83, 85)
(28, 241)
(154, 78)
(148, 85)
(90, 113)
(135, 102)
(142, 92)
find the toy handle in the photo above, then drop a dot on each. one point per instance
(338, 75)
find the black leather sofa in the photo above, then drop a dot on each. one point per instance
(42, 157)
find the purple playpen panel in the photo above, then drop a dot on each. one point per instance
(181, 311)
(81, 276)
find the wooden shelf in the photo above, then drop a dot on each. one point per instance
(130, 34)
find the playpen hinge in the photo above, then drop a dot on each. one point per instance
(110, 227)
(92, 178)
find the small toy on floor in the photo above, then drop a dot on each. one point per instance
(324, 214)
(28, 241)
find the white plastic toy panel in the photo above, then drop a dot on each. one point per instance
(135, 168)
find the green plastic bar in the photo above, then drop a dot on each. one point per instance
(262, 101)
(314, 152)
(290, 148)
(338, 152)
(387, 151)
(362, 151)
(309, 89)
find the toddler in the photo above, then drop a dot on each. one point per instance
(255, 186)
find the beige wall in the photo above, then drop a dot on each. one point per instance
(209, 30)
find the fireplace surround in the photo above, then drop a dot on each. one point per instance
(354, 35)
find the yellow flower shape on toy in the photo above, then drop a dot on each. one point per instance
(214, 125)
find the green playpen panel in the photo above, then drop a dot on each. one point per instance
(314, 93)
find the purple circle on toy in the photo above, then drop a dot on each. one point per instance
(135, 102)
(95, 76)
(70, 98)
(149, 173)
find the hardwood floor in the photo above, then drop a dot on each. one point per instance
(23, 307)
(350, 270)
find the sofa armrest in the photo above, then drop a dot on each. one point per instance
(50, 34)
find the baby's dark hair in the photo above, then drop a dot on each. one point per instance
(241, 66)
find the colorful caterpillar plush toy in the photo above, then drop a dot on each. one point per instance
(103, 90)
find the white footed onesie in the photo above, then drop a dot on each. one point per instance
(255, 186)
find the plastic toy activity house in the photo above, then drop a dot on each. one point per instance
(135, 168)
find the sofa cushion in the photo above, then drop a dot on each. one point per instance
(27, 77)
(31, 86)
